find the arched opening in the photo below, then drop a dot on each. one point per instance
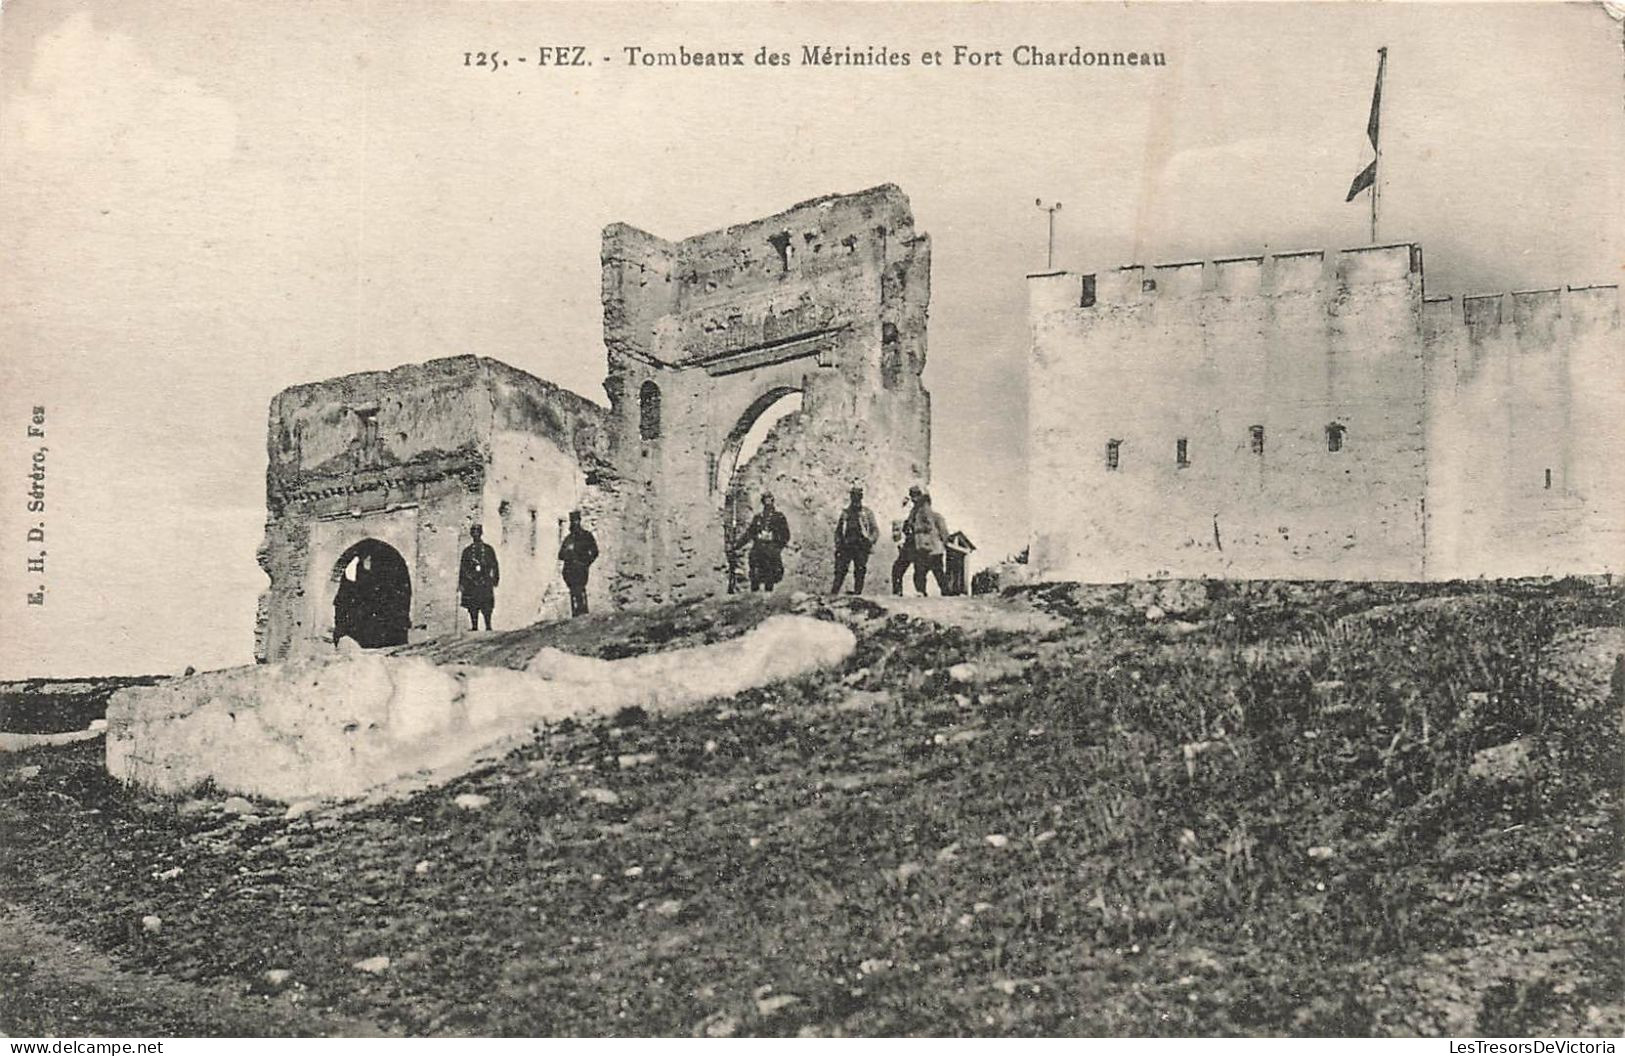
(649, 411)
(744, 441)
(372, 602)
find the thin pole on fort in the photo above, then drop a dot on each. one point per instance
(1376, 140)
(1049, 260)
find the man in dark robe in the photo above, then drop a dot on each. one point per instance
(769, 534)
(477, 579)
(903, 536)
(577, 553)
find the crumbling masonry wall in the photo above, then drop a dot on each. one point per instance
(827, 299)
(1310, 416)
(413, 457)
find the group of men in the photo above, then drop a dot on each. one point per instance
(479, 573)
(921, 537)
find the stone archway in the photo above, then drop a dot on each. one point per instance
(372, 599)
(744, 439)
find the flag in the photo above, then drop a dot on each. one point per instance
(1368, 175)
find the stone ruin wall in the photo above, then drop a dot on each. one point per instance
(451, 442)
(1451, 415)
(827, 299)
(1292, 343)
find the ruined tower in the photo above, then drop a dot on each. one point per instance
(374, 480)
(825, 304)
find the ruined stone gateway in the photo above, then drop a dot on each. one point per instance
(375, 479)
(824, 303)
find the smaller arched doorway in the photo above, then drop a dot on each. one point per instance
(372, 603)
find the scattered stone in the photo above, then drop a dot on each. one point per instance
(772, 1003)
(669, 908)
(152, 924)
(996, 839)
(873, 966)
(1505, 762)
(600, 795)
(192, 806)
(717, 1025)
(97, 725)
(1043, 837)
(966, 736)
(1153, 613)
(962, 672)
(755, 842)
(1320, 854)
(639, 759)
(372, 965)
(1328, 686)
(301, 808)
(863, 700)
(423, 867)
(633, 871)
(237, 805)
(981, 907)
(908, 869)
(947, 853)
(25, 773)
(277, 978)
(1005, 986)
(168, 874)
(710, 747)
(472, 801)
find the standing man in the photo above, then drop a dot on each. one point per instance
(477, 579)
(855, 535)
(930, 536)
(577, 553)
(769, 534)
(903, 536)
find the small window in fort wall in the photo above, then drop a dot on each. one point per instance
(1113, 449)
(1548, 479)
(533, 524)
(1087, 300)
(649, 411)
(1257, 432)
(1182, 452)
(1334, 437)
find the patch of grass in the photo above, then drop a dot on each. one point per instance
(1264, 824)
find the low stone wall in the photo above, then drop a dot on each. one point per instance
(350, 724)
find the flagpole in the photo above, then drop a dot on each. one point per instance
(1376, 173)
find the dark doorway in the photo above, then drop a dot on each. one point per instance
(374, 600)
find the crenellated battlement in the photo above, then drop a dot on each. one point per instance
(1531, 318)
(1260, 275)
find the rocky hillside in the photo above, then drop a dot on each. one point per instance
(1264, 809)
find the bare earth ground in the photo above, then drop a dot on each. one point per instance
(1288, 809)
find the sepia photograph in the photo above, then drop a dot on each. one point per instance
(812, 520)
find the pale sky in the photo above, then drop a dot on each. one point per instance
(203, 203)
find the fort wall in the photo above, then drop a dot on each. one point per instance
(1336, 423)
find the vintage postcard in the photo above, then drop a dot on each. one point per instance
(811, 520)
